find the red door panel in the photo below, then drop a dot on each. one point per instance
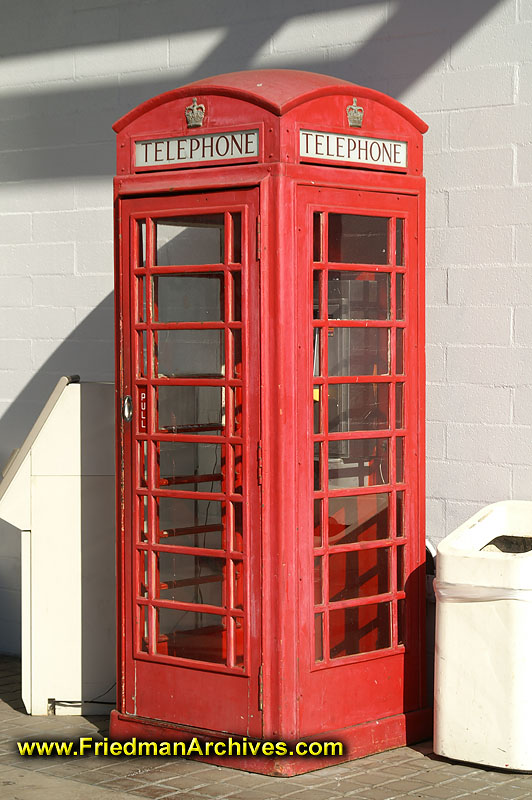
(358, 254)
(190, 361)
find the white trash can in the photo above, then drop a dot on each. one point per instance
(483, 659)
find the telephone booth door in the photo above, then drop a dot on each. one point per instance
(189, 306)
(364, 662)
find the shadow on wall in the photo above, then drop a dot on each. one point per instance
(388, 46)
(88, 352)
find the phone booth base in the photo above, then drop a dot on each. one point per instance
(270, 413)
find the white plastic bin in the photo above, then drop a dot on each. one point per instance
(483, 660)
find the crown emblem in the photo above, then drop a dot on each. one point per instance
(355, 115)
(194, 114)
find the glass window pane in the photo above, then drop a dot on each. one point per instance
(358, 462)
(357, 239)
(190, 240)
(142, 355)
(358, 351)
(399, 358)
(360, 573)
(191, 579)
(238, 533)
(191, 634)
(317, 523)
(317, 581)
(316, 398)
(318, 634)
(237, 237)
(400, 569)
(187, 522)
(400, 528)
(399, 242)
(142, 243)
(191, 409)
(188, 298)
(143, 573)
(359, 295)
(399, 405)
(316, 294)
(317, 466)
(317, 352)
(143, 615)
(359, 630)
(237, 296)
(191, 467)
(142, 506)
(358, 519)
(316, 235)
(190, 353)
(399, 449)
(399, 296)
(358, 407)
(237, 352)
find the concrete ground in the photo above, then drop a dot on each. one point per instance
(412, 772)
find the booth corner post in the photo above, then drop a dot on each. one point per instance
(270, 353)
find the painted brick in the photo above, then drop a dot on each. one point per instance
(16, 353)
(488, 127)
(45, 195)
(422, 94)
(495, 444)
(435, 355)
(523, 326)
(434, 139)
(437, 209)
(435, 525)
(525, 10)
(524, 93)
(92, 360)
(95, 192)
(472, 245)
(436, 286)
(435, 433)
(71, 290)
(36, 67)
(125, 56)
(190, 48)
(37, 322)
(37, 259)
(523, 243)
(473, 88)
(12, 382)
(524, 163)
(468, 403)
(73, 226)
(329, 28)
(470, 481)
(488, 286)
(496, 44)
(15, 291)
(94, 258)
(523, 405)
(465, 168)
(455, 325)
(489, 365)
(490, 206)
(14, 228)
(522, 483)
(458, 513)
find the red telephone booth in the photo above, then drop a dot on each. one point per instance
(270, 382)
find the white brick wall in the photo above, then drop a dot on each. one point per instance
(66, 75)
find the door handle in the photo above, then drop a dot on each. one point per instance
(127, 408)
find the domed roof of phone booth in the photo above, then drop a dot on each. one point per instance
(276, 90)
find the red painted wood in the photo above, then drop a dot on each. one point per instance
(373, 700)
